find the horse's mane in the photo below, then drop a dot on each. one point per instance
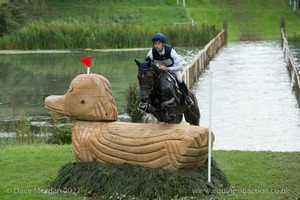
(156, 69)
(148, 65)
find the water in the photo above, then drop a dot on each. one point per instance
(253, 105)
(295, 51)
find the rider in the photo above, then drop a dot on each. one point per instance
(168, 60)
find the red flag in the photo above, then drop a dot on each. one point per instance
(86, 61)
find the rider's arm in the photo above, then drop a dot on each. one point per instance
(150, 55)
(177, 66)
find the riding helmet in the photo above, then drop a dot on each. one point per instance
(160, 37)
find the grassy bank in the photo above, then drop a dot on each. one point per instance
(119, 24)
(247, 19)
(26, 171)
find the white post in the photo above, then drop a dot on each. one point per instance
(183, 3)
(209, 129)
(185, 76)
(88, 70)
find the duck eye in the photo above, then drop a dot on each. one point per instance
(70, 89)
(82, 101)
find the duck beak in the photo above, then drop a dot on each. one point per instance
(57, 104)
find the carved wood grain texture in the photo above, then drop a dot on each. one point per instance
(167, 146)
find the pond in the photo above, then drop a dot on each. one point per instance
(28, 77)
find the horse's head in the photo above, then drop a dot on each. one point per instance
(145, 77)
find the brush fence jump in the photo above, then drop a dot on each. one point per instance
(294, 72)
(97, 136)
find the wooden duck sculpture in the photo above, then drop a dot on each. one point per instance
(98, 136)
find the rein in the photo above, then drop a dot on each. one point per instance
(154, 82)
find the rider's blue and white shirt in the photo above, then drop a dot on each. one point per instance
(168, 57)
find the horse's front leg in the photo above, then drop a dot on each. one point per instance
(146, 107)
(163, 116)
(171, 103)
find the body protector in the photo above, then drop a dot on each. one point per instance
(165, 58)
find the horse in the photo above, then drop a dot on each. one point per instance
(161, 96)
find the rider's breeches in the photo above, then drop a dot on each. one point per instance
(178, 76)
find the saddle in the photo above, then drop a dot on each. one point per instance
(172, 75)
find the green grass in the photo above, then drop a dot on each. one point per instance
(116, 11)
(247, 19)
(27, 169)
(261, 175)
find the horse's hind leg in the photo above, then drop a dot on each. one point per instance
(192, 117)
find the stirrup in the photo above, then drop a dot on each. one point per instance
(189, 102)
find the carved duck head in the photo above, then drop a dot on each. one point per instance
(89, 97)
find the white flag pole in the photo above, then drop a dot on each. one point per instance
(209, 129)
(88, 70)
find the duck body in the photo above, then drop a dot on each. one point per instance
(167, 146)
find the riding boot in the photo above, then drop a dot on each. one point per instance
(188, 101)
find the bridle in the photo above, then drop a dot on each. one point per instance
(154, 80)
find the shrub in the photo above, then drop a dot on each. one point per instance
(294, 38)
(131, 102)
(61, 135)
(108, 181)
(21, 127)
(78, 35)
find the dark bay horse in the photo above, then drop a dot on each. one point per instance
(161, 96)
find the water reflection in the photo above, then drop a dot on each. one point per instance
(254, 107)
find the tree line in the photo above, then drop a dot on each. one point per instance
(14, 14)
